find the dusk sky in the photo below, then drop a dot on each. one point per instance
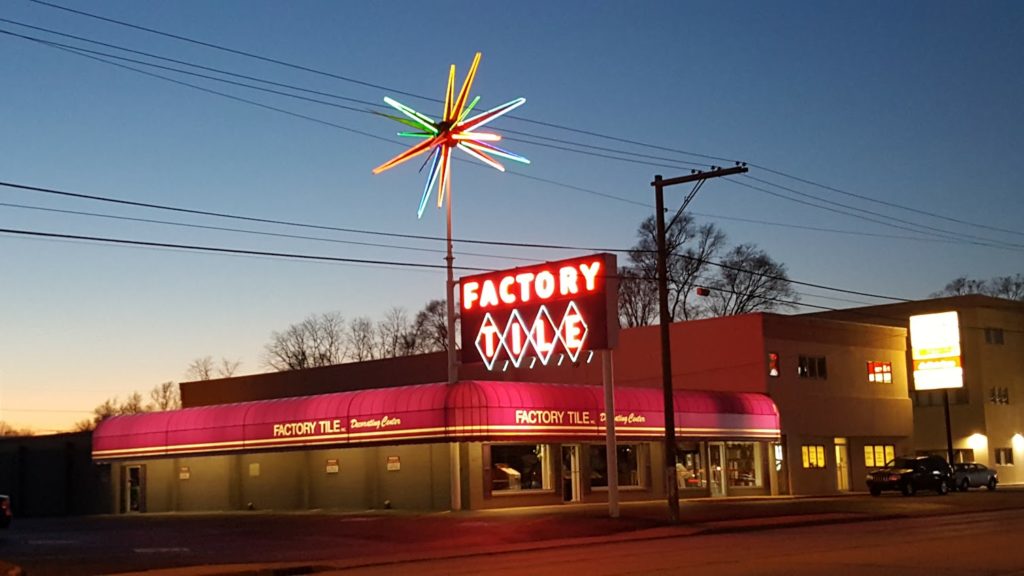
(909, 114)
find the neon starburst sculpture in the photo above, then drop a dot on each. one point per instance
(455, 130)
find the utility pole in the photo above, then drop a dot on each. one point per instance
(671, 488)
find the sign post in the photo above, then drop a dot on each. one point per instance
(935, 351)
(547, 313)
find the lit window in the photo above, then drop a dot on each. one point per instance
(1004, 456)
(812, 367)
(743, 464)
(631, 461)
(516, 467)
(813, 456)
(876, 455)
(880, 372)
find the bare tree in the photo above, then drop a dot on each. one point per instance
(8, 430)
(689, 247)
(133, 404)
(750, 281)
(638, 298)
(227, 368)
(1008, 287)
(200, 369)
(319, 340)
(360, 339)
(431, 327)
(164, 397)
(395, 335)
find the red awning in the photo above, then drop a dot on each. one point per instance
(468, 410)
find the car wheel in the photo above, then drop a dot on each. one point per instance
(964, 485)
(876, 491)
(908, 489)
(991, 484)
(942, 488)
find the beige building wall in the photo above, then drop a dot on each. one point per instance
(842, 412)
(979, 424)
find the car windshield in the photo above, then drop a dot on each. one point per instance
(901, 463)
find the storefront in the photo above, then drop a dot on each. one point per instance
(518, 444)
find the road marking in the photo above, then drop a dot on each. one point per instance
(165, 550)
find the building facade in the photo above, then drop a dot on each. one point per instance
(764, 404)
(987, 414)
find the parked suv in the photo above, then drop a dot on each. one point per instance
(971, 474)
(908, 474)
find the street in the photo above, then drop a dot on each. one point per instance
(849, 534)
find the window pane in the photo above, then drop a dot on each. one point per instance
(742, 462)
(805, 453)
(890, 452)
(869, 456)
(520, 467)
(629, 460)
(821, 456)
(689, 467)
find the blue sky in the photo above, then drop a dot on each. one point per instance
(913, 103)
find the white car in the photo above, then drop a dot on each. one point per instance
(972, 475)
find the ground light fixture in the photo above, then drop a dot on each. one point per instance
(456, 129)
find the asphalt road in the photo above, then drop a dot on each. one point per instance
(113, 544)
(986, 543)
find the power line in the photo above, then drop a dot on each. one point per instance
(85, 53)
(408, 236)
(887, 203)
(869, 219)
(535, 122)
(219, 250)
(253, 232)
(880, 215)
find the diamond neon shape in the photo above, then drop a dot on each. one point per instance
(516, 324)
(572, 311)
(544, 321)
(488, 326)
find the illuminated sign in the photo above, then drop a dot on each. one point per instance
(548, 311)
(935, 345)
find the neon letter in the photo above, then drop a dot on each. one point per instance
(489, 333)
(524, 280)
(567, 280)
(573, 331)
(516, 345)
(488, 295)
(545, 285)
(470, 294)
(590, 273)
(504, 290)
(541, 340)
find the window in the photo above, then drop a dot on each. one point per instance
(516, 467)
(773, 364)
(876, 455)
(880, 372)
(743, 464)
(689, 467)
(994, 336)
(1004, 456)
(632, 465)
(999, 395)
(812, 367)
(813, 456)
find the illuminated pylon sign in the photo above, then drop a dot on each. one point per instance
(543, 312)
(454, 130)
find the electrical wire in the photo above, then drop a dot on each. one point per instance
(534, 122)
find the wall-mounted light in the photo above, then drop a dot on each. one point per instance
(977, 442)
(1018, 443)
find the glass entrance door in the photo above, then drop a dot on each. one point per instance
(571, 473)
(842, 466)
(716, 458)
(133, 488)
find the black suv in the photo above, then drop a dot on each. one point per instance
(908, 474)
